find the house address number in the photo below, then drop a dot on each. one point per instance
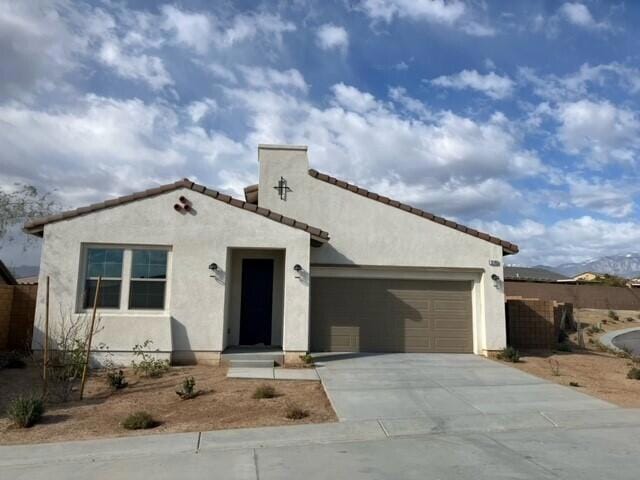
(494, 263)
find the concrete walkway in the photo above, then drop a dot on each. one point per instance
(419, 417)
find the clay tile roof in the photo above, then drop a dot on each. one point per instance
(36, 226)
(507, 247)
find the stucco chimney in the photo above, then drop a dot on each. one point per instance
(284, 174)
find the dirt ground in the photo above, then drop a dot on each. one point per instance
(598, 373)
(225, 403)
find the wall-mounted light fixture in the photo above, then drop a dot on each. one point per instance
(213, 267)
(495, 277)
(297, 268)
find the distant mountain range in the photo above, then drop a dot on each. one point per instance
(25, 271)
(625, 265)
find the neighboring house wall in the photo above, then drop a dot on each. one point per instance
(365, 232)
(193, 325)
(581, 296)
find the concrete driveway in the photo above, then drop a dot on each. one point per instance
(402, 416)
(394, 386)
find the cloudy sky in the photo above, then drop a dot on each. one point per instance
(518, 118)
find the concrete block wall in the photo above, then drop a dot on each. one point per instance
(533, 323)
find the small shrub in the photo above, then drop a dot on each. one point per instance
(594, 329)
(295, 412)
(555, 367)
(509, 354)
(139, 421)
(613, 316)
(265, 391)
(564, 347)
(634, 374)
(25, 411)
(630, 319)
(115, 379)
(574, 384)
(188, 389)
(307, 359)
(148, 365)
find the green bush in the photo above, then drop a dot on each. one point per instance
(188, 389)
(115, 379)
(25, 411)
(594, 329)
(295, 412)
(613, 316)
(307, 359)
(574, 384)
(634, 374)
(139, 421)
(265, 391)
(509, 354)
(148, 365)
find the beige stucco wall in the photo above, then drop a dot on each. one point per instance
(366, 232)
(194, 319)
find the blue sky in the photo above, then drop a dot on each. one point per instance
(518, 118)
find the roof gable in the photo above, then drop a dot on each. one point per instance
(36, 226)
(507, 247)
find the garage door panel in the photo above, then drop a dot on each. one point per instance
(390, 315)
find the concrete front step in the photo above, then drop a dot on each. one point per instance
(232, 356)
(251, 363)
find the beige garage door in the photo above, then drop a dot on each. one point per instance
(390, 315)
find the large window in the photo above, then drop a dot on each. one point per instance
(105, 263)
(148, 279)
(132, 278)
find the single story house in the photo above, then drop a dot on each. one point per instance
(306, 262)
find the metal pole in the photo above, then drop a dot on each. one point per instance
(93, 319)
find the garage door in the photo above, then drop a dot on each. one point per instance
(390, 315)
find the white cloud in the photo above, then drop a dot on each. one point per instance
(568, 240)
(601, 131)
(142, 67)
(259, 77)
(202, 31)
(353, 99)
(578, 84)
(452, 13)
(191, 29)
(446, 161)
(491, 84)
(329, 37)
(578, 14)
(37, 48)
(437, 11)
(220, 71)
(198, 109)
(154, 144)
(601, 196)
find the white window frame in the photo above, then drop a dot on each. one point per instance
(125, 282)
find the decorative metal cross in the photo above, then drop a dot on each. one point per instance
(282, 188)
